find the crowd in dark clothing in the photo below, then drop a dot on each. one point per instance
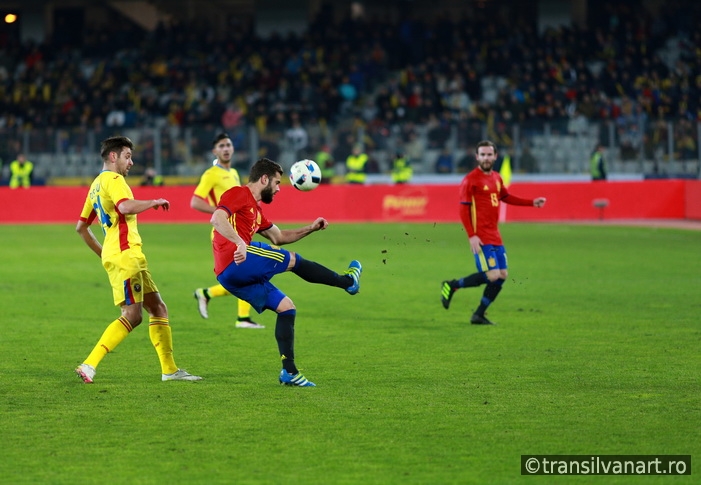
(471, 69)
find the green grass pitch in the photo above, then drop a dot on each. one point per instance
(596, 351)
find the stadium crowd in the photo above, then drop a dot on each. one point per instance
(473, 70)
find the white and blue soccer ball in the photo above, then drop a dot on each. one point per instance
(305, 175)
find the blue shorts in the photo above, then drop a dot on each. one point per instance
(491, 258)
(250, 280)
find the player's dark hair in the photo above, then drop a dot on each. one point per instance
(219, 137)
(262, 167)
(486, 143)
(115, 144)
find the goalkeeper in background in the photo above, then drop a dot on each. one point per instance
(213, 183)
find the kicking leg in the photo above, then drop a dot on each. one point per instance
(448, 287)
(316, 273)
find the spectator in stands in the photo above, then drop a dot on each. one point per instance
(344, 144)
(348, 93)
(373, 166)
(527, 162)
(232, 117)
(508, 68)
(468, 161)
(438, 130)
(296, 137)
(578, 124)
(21, 172)
(444, 161)
(115, 118)
(598, 164)
(414, 149)
(457, 99)
(151, 177)
(317, 131)
(277, 123)
(684, 141)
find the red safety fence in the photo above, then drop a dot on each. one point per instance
(569, 201)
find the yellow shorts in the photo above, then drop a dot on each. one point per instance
(129, 276)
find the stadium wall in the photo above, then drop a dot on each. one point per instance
(574, 201)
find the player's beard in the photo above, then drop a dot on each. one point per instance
(486, 166)
(123, 171)
(267, 194)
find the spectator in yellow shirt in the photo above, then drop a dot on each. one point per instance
(21, 172)
(356, 164)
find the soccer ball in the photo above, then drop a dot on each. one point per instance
(305, 175)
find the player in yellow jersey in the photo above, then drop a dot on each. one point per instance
(112, 203)
(214, 182)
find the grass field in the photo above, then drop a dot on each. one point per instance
(596, 351)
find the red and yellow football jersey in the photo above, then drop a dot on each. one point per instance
(483, 193)
(245, 216)
(106, 192)
(215, 181)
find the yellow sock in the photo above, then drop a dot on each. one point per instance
(244, 309)
(111, 337)
(217, 290)
(162, 340)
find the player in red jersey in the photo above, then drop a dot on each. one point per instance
(481, 193)
(245, 267)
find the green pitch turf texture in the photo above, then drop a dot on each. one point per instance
(596, 351)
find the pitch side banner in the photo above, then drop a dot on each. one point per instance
(572, 201)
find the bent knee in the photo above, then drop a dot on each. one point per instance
(285, 305)
(133, 315)
(155, 306)
(293, 261)
(493, 276)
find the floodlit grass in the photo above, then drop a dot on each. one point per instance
(596, 351)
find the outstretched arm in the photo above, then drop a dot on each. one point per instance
(513, 200)
(285, 236)
(131, 206)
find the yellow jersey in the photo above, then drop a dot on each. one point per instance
(215, 181)
(107, 191)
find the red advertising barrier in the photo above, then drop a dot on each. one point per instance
(647, 199)
(570, 201)
(692, 209)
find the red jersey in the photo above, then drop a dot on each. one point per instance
(482, 193)
(245, 216)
